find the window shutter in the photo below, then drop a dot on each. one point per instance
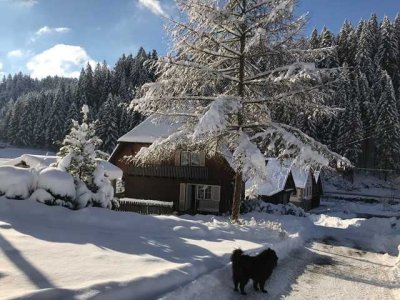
(182, 197)
(216, 193)
(202, 159)
(177, 158)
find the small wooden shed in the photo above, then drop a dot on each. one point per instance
(278, 185)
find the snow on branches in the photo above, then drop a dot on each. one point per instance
(77, 157)
(230, 71)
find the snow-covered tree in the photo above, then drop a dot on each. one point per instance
(107, 124)
(77, 156)
(230, 64)
(388, 127)
(314, 39)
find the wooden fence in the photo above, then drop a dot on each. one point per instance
(145, 207)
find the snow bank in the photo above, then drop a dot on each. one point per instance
(58, 183)
(375, 234)
(17, 183)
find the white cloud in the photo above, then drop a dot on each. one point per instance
(17, 53)
(62, 60)
(49, 30)
(1, 68)
(154, 6)
(25, 3)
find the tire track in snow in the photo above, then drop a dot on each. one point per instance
(327, 269)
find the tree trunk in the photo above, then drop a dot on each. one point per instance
(237, 193)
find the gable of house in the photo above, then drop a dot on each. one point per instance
(189, 179)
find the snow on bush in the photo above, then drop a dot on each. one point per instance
(105, 193)
(255, 205)
(42, 196)
(102, 197)
(58, 183)
(17, 183)
(77, 158)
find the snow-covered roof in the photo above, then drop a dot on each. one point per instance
(33, 161)
(110, 170)
(300, 176)
(276, 176)
(150, 130)
(39, 162)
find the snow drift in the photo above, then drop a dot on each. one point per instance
(17, 183)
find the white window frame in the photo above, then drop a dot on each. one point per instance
(202, 191)
(188, 158)
(195, 159)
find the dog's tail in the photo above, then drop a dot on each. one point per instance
(236, 254)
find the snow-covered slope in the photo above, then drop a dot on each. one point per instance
(55, 253)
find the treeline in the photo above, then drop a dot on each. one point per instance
(38, 113)
(367, 131)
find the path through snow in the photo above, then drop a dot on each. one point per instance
(325, 269)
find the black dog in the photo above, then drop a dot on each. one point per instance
(258, 268)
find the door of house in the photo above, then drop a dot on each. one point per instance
(184, 197)
(198, 197)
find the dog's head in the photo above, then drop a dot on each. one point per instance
(236, 254)
(269, 255)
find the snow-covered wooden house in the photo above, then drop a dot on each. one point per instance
(190, 180)
(307, 193)
(278, 185)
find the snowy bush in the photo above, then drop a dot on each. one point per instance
(17, 183)
(255, 205)
(42, 196)
(58, 183)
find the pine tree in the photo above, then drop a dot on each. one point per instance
(388, 51)
(344, 44)
(388, 127)
(72, 115)
(77, 154)
(58, 111)
(364, 54)
(107, 124)
(314, 40)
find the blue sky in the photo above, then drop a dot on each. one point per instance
(57, 37)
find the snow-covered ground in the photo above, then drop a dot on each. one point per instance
(56, 253)
(362, 187)
(320, 270)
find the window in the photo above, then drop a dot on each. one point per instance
(195, 158)
(203, 192)
(192, 158)
(185, 158)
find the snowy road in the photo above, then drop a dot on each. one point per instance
(327, 269)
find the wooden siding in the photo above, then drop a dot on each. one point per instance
(160, 183)
(184, 172)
